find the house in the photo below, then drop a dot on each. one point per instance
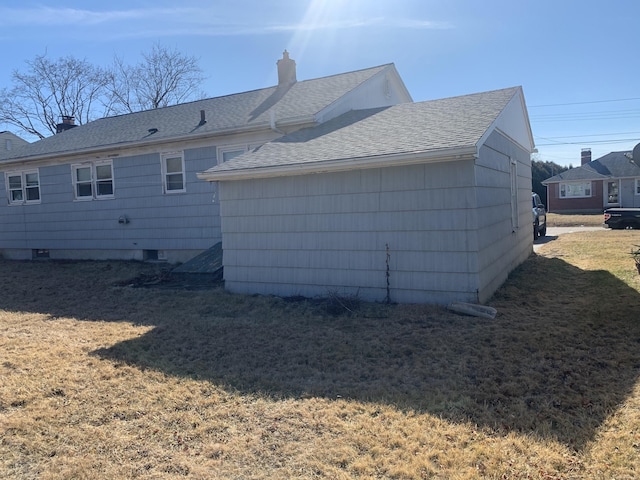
(125, 187)
(609, 181)
(424, 202)
(9, 141)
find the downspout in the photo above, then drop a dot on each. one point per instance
(272, 123)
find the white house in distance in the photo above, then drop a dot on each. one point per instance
(415, 203)
(9, 141)
(337, 184)
(125, 187)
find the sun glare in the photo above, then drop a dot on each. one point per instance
(326, 16)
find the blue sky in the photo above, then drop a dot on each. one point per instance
(577, 61)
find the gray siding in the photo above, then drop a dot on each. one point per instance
(501, 247)
(179, 224)
(314, 235)
(628, 196)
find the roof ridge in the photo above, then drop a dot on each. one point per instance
(515, 87)
(347, 73)
(230, 95)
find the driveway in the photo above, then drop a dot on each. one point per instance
(554, 232)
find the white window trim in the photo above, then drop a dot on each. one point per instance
(163, 166)
(575, 196)
(637, 190)
(23, 181)
(234, 148)
(513, 181)
(94, 181)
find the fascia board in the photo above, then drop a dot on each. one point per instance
(114, 149)
(494, 125)
(401, 84)
(330, 166)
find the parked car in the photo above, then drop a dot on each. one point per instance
(620, 218)
(539, 217)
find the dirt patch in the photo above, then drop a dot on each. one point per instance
(175, 281)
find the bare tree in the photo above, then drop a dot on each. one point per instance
(163, 77)
(52, 89)
(49, 90)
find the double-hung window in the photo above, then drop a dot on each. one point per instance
(173, 172)
(93, 181)
(23, 187)
(637, 186)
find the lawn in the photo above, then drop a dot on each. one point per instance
(567, 220)
(101, 380)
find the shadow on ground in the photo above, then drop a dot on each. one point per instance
(553, 371)
(545, 239)
(552, 364)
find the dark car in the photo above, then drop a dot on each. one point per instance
(619, 218)
(539, 217)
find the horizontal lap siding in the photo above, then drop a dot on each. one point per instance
(184, 221)
(316, 234)
(501, 249)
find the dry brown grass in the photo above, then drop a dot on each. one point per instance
(568, 220)
(103, 381)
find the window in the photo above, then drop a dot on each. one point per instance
(637, 186)
(575, 190)
(173, 172)
(612, 192)
(23, 187)
(92, 181)
(228, 152)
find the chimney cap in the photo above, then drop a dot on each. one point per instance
(68, 122)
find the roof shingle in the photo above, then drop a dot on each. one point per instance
(254, 108)
(611, 165)
(407, 128)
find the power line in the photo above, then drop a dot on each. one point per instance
(585, 116)
(584, 103)
(591, 142)
(589, 135)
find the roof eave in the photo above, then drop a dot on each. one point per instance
(113, 148)
(340, 165)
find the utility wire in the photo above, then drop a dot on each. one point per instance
(584, 103)
(589, 135)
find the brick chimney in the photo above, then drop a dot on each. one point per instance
(585, 156)
(68, 122)
(286, 71)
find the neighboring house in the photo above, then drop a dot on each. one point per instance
(9, 141)
(125, 187)
(420, 202)
(609, 181)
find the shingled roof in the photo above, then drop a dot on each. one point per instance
(231, 113)
(431, 128)
(611, 165)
